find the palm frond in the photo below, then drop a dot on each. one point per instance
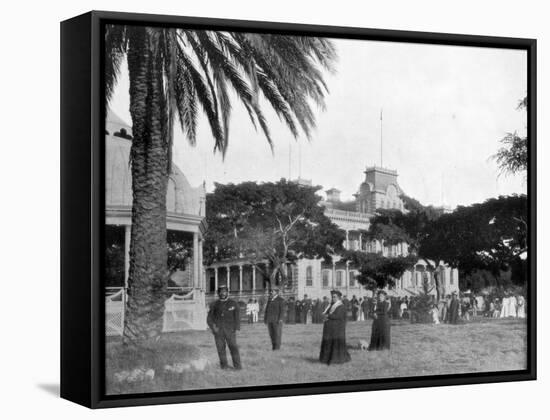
(115, 50)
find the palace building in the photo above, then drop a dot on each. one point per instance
(193, 286)
(316, 277)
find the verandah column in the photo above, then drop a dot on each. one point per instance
(240, 278)
(215, 279)
(253, 278)
(196, 262)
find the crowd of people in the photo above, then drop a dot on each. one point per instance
(224, 317)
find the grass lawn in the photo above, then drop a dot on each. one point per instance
(483, 345)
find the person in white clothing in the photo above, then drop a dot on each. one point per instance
(255, 311)
(512, 306)
(504, 310)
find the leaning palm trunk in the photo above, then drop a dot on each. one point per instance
(149, 154)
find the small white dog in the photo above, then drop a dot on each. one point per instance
(363, 345)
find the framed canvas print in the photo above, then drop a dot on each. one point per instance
(255, 209)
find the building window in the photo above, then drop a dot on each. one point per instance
(452, 279)
(309, 275)
(339, 276)
(326, 278)
(352, 278)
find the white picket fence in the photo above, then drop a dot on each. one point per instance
(181, 312)
(114, 311)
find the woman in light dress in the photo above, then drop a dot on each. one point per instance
(505, 307)
(435, 314)
(512, 306)
(361, 314)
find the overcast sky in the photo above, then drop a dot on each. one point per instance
(445, 109)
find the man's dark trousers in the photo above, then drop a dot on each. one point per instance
(227, 337)
(275, 333)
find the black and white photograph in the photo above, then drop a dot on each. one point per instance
(285, 209)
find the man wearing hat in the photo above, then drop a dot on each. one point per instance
(224, 321)
(273, 317)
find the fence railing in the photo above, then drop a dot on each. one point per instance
(184, 310)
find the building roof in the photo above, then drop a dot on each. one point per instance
(181, 197)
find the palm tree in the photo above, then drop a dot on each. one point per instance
(174, 74)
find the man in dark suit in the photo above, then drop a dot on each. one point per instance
(454, 306)
(306, 308)
(224, 321)
(274, 316)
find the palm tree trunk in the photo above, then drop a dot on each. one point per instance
(147, 277)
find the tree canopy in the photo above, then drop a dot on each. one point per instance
(377, 271)
(274, 222)
(491, 235)
(512, 157)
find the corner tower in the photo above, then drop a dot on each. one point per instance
(379, 190)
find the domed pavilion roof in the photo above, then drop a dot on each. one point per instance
(182, 198)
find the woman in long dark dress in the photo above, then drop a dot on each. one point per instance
(380, 337)
(333, 346)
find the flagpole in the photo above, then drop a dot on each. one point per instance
(381, 144)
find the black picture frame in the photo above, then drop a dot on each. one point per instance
(82, 211)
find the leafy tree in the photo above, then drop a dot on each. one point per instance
(512, 157)
(392, 227)
(377, 271)
(273, 222)
(174, 74)
(486, 236)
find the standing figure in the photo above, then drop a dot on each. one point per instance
(365, 308)
(255, 311)
(250, 311)
(306, 310)
(354, 308)
(361, 312)
(347, 305)
(521, 306)
(333, 344)
(434, 312)
(403, 309)
(317, 312)
(505, 306)
(381, 335)
(298, 315)
(324, 305)
(273, 318)
(512, 306)
(445, 308)
(224, 321)
(454, 306)
(291, 311)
